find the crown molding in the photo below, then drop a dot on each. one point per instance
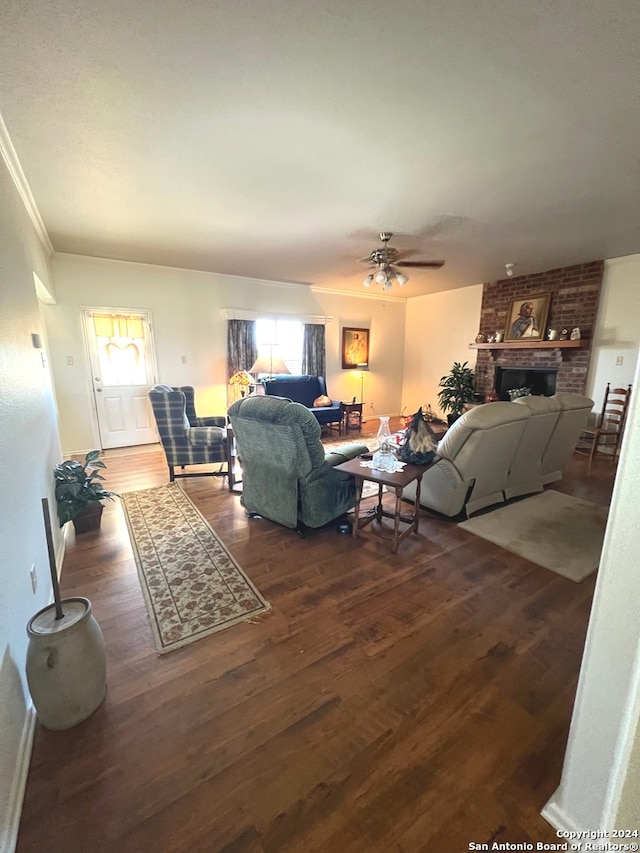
(623, 259)
(382, 297)
(10, 157)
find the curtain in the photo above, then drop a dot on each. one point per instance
(241, 345)
(117, 326)
(313, 350)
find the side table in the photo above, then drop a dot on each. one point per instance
(352, 416)
(397, 481)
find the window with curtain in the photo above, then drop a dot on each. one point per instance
(287, 335)
(242, 349)
(313, 353)
(300, 345)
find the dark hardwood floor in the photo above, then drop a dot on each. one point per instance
(409, 702)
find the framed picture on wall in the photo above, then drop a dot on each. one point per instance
(527, 318)
(355, 347)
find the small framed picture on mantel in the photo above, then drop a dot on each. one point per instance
(527, 318)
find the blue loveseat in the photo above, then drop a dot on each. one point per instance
(305, 389)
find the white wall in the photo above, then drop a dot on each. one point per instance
(29, 449)
(600, 774)
(439, 329)
(617, 330)
(186, 309)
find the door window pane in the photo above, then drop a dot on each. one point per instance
(120, 341)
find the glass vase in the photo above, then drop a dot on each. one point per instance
(384, 458)
(383, 437)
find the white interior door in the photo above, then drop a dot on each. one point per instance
(123, 371)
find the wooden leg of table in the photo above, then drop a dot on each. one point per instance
(231, 480)
(379, 507)
(396, 525)
(356, 516)
(416, 505)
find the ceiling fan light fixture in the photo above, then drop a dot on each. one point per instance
(385, 260)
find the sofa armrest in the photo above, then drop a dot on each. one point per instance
(335, 457)
(343, 454)
(211, 421)
(206, 436)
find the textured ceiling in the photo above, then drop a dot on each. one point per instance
(275, 139)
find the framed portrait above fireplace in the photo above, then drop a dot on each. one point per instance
(527, 318)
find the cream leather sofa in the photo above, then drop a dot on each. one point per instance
(502, 450)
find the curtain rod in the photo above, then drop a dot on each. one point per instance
(245, 314)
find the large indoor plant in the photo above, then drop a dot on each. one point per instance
(457, 389)
(79, 492)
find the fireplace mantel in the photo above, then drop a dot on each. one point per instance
(581, 343)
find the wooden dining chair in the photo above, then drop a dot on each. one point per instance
(610, 423)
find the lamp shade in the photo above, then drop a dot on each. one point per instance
(269, 361)
(242, 378)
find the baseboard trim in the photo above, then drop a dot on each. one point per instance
(557, 817)
(9, 837)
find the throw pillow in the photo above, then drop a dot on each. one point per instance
(321, 401)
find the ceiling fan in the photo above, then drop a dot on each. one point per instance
(386, 258)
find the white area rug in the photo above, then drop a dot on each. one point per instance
(556, 531)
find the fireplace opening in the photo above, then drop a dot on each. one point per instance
(541, 380)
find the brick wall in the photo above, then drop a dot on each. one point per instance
(575, 292)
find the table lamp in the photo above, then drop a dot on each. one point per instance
(269, 362)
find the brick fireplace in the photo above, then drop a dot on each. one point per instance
(575, 292)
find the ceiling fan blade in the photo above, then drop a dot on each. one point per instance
(366, 260)
(429, 264)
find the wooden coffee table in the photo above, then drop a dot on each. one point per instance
(396, 481)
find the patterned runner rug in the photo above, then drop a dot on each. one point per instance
(192, 585)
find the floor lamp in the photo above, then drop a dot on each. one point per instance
(362, 367)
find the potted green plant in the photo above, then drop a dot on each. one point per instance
(457, 389)
(79, 493)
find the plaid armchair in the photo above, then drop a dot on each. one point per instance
(286, 475)
(186, 438)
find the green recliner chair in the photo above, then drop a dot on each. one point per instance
(286, 475)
